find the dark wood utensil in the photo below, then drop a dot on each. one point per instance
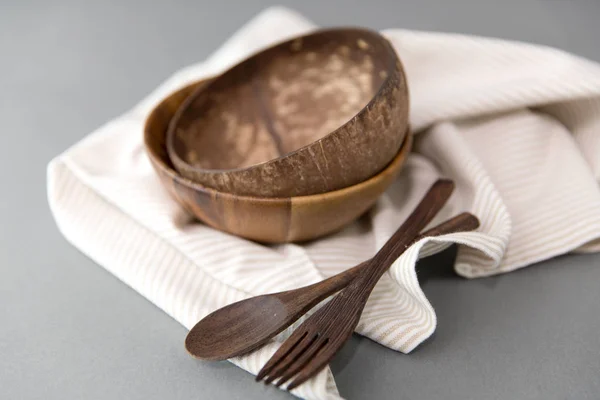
(314, 343)
(244, 326)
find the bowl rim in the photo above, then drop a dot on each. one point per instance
(391, 168)
(393, 61)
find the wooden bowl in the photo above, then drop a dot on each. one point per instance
(270, 220)
(310, 115)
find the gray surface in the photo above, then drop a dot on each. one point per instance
(70, 330)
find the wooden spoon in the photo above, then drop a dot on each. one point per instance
(244, 326)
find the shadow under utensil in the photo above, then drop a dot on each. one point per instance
(450, 295)
(437, 266)
(440, 266)
(345, 355)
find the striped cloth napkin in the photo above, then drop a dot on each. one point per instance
(515, 125)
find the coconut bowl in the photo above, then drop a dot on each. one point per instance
(313, 114)
(262, 219)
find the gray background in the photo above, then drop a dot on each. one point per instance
(70, 330)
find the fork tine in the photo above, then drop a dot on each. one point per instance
(291, 357)
(301, 361)
(286, 348)
(315, 365)
(324, 356)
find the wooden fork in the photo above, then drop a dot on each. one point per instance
(314, 343)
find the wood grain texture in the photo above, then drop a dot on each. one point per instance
(310, 115)
(245, 325)
(316, 341)
(268, 220)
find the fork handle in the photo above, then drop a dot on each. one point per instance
(460, 223)
(430, 205)
(317, 292)
(434, 200)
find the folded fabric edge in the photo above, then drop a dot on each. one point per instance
(113, 252)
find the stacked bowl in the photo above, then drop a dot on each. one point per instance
(290, 144)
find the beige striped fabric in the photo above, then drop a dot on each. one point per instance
(515, 125)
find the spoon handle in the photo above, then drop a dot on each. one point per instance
(460, 223)
(433, 201)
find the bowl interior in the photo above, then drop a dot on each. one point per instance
(263, 219)
(155, 132)
(281, 99)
